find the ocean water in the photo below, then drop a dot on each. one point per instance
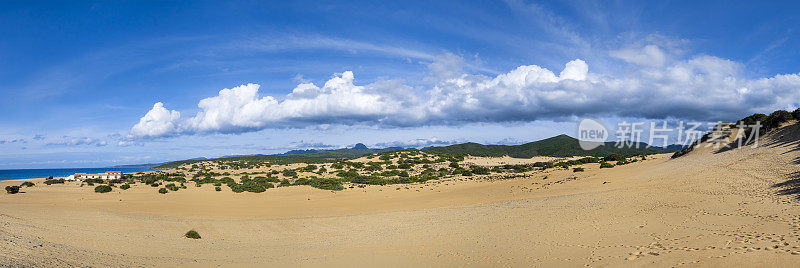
(16, 174)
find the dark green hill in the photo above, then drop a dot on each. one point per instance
(561, 145)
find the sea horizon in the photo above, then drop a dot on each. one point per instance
(21, 174)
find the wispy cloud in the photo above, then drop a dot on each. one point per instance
(77, 141)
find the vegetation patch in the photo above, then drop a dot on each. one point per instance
(102, 189)
(192, 234)
(12, 189)
(27, 184)
(326, 184)
(50, 182)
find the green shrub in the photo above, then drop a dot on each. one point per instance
(775, 119)
(255, 187)
(27, 184)
(236, 188)
(172, 187)
(93, 181)
(453, 164)
(577, 169)
(480, 170)
(796, 114)
(102, 189)
(543, 165)
(192, 234)
(217, 188)
(285, 183)
(289, 173)
(751, 120)
(614, 157)
(12, 189)
(606, 165)
(50, 182)
(163, 191)
(327, 184)
(125, 186)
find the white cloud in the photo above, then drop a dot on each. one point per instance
(339, 100)
(649, 55)
(697, 88)
(75, 141)
(157, 122)
(575, 70)
(416, 143)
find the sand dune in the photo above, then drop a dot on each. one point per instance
(711, 207)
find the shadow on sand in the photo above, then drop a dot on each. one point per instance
(788, 137)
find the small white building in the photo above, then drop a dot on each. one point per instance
(111, 175)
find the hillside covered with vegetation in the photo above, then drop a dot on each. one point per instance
(558, 146)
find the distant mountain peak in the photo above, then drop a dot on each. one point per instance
(360, 146)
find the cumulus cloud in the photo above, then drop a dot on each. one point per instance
(157, 122)
(661, 86)
(338, 101)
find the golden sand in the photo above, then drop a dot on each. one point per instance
(708, 208)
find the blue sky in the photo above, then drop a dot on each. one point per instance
(79, 80)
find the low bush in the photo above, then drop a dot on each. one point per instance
(302, 181)
(775, 119)
(796, 114)
(192, 234)
(217, 188)
(172, 187)
(27, 184)
(606, 165)
(163, 191)
(289, 173)
(93, 181)
(12, 189)
(577, 169)
(326, 184)
(480, 170)
(102, 189)
(614, 157)
(50, 182)
(751, 120)
(125, 186)
(543, 165)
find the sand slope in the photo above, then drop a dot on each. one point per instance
(708, 208)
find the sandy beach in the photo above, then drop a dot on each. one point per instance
(708, 208)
